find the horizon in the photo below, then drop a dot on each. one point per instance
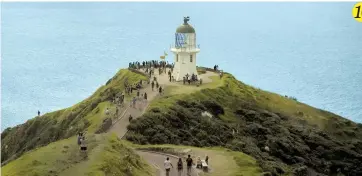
(70, 92)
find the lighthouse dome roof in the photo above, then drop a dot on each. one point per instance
(185, 28)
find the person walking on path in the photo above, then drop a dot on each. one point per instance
(83, 147)
(157, 85)
(38, 113)
(152, 85)
(179, 167)
(134, 102)
(80, 135)
(160, 90)
(168, 166)
(145, 96)
(189, 165)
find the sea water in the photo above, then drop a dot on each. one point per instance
(57, 54)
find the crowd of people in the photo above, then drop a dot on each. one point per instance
(191, 79)
(189, 163)
(149, 64)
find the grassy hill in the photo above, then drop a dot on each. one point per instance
(107, 156)
(87, 115)
(301, 139)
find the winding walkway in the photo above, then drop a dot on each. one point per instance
(120, 126)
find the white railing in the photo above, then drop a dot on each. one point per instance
(187, 47)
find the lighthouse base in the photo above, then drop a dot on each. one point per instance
(179, 74)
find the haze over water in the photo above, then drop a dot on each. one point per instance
(56, 54)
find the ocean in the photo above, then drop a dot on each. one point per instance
(57, 54)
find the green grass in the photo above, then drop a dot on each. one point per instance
(263, 99)
(97, 116)
(107, 155)
(278, 103)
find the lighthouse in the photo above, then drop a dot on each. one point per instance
(185, 50)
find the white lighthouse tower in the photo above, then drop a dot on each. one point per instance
(185, 50)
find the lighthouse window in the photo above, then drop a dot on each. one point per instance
(176, 57)
(190, 58)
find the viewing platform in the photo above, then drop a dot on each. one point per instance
(192, 48)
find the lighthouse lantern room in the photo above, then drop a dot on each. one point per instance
(185, 50)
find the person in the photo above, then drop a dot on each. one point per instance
(138, 93)
(168, 166)
(145, 96)
(207, 159)
(130, 118)
(189, 165)
(83, 146)
(79, 137)
(152, 85)
(122, 99)
(38, 113)
(179, 167)
(107, 111)
(157, 85)
(198, 162)
(134, 102)
(160, 90)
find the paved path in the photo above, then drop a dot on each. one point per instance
(157, 161)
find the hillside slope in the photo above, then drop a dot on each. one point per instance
(107, 155)
(87, 115)
(301, 139)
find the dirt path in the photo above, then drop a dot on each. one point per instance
(157, 161)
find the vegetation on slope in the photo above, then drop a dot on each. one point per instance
(107, 155)
(87, 115)
(301, 139)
